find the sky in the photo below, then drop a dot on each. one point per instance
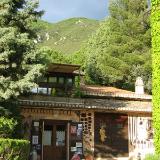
(57, 10)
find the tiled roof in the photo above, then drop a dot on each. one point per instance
(62, 68)
(106, 105)
(95, 90)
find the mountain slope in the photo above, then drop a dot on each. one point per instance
(66, 36)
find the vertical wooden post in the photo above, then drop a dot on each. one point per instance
(42, 139)
(68, 140)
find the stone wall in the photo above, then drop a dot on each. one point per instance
(87, 118)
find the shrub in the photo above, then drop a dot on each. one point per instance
(6, 126)
(152, 157)
(13, 149)
(155, 24)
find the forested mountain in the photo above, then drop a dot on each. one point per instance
(113, 53)
(66, 36)
(120, 49)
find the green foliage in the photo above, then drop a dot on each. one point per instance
(155, 24)
(66, 36)
(12, 149)
(10, 109)
(152, 157)
(6, 127)
(41, 25)
(21, 61)
(54, 56)
(78, 57)
(120, 44)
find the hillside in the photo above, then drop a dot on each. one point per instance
(66, 36)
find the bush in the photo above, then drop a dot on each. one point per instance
(155, 23)
(152, 157)
(13, 149)
(6, 127)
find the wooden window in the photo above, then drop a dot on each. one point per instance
(53, 79)
(60, 135)
(70, 81)
(42, 79)
(47, 135)
(42, 90)
(61, 80)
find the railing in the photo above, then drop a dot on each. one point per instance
(143, 148)
(144, 144)
(53, 99)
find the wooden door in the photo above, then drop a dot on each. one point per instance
(54, 140)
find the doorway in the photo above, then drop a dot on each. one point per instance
(111, 135)
(54, 140)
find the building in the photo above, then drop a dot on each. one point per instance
(104, 122)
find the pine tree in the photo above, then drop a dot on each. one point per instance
(120, 49)
(20, 59)
(131, 39)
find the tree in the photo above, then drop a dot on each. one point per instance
(155, 25)
(6, 127)
(120, 44)
(132, 42)
(53, 56)
(20, 60)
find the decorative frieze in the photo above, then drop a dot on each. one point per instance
(44, 113)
